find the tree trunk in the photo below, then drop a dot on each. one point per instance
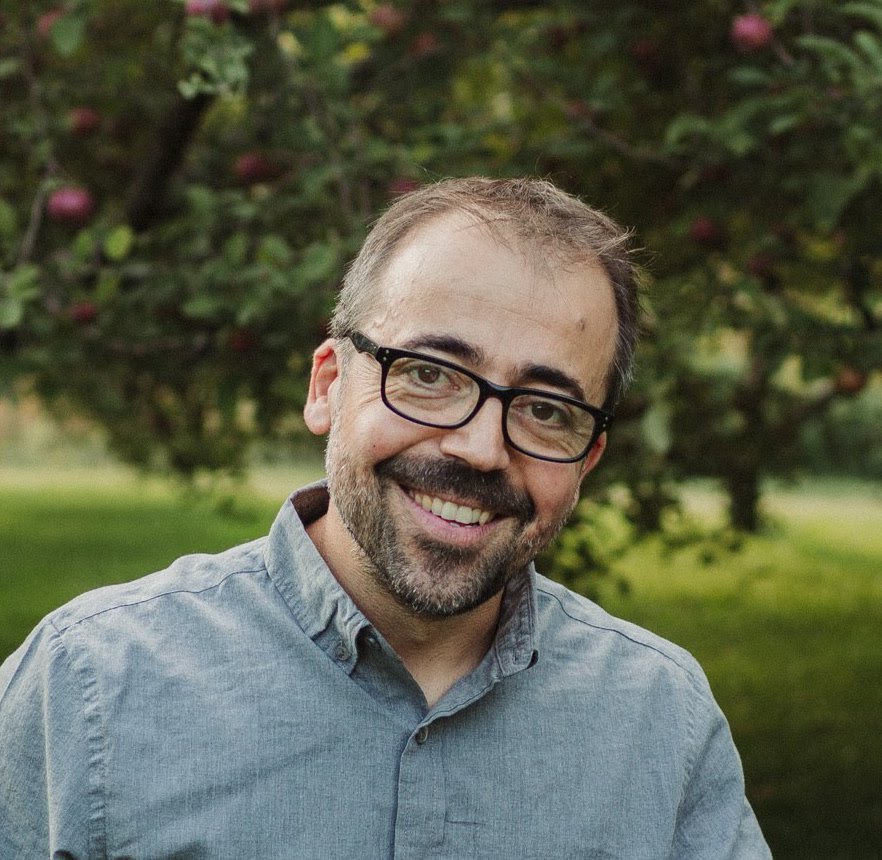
(744, 493)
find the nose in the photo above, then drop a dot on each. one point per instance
(479, 443)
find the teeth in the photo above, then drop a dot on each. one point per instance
(451, 511)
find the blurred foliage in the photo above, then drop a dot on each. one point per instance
(222, 161)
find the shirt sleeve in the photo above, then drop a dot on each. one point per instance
(48, 797)
(715, 819)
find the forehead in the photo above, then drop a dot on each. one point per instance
(514, 301)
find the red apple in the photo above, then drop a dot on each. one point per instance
(215, 10)
(84, 120)
(761, 265)
(424, 45)
(849, 381)
(46, 20)
(243, 340)
(389, 19)
(578, 109)
(83, 312)
(751, 32)
(646, 53)
(706, 231)
(70, 205)
(253, 167)
(400, 186)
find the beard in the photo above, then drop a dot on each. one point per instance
(431, 578)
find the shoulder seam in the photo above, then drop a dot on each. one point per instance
(687, 670)
(152, 597)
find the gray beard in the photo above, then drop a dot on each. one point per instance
(430, 578)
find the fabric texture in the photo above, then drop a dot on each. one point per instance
(240, 706)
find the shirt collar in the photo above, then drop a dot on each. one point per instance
(327, 614)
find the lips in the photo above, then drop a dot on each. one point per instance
(455, 492)
(451, 511)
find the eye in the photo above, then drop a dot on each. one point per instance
(547, 412)
(426, 374)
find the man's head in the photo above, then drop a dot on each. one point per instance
(513, 282)
(533, 212)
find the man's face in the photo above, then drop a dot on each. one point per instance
(402, 490)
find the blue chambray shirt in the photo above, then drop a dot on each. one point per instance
(239, 706)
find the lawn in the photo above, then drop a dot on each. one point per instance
(789, 629)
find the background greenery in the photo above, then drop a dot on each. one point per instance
(218, 162)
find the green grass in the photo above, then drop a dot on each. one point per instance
(789, 629)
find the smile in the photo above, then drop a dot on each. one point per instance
(451, 511)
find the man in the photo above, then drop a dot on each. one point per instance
(386, 675)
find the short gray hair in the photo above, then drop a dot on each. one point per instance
(534, 211)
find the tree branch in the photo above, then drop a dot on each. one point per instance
(174, 136)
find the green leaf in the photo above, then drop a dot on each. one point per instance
(750, 76)
(202, 307)
(8, 219)
(22, 282)
(322, 41)
(236, 249)
(17, 288)
(107, 286)
(780, 124)
(119, 243)
(683, 126)
(831, 50)
(67, 34)
(11, 313)
(273, 251)
(319, 262)
(828, 194)
(8, 67)
(872, 11)
(871, 47)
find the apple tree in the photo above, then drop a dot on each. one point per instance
(183, 182)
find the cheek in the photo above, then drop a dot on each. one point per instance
(556, 494)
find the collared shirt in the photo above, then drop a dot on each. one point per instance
(240, 706)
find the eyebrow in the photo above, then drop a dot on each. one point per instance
(454, 346)
(555, 378)
(529, 373)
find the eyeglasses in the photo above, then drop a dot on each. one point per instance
(437, 393)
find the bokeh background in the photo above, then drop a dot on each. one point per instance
(182, 184)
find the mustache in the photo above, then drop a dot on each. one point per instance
(492, 491)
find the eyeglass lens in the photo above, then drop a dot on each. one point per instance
(443, 397)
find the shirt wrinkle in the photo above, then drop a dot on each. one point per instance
(96, 775)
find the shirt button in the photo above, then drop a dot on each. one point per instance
(421, 735)
(342, 650)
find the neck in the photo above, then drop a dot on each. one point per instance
(436, 651)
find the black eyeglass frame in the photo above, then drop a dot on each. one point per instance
(386, 355)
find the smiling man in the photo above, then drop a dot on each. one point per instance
(386, 674)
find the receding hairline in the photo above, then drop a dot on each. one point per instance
(545, 250)
(535, 216)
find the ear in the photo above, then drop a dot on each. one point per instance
(592, 458)
(325, 372)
